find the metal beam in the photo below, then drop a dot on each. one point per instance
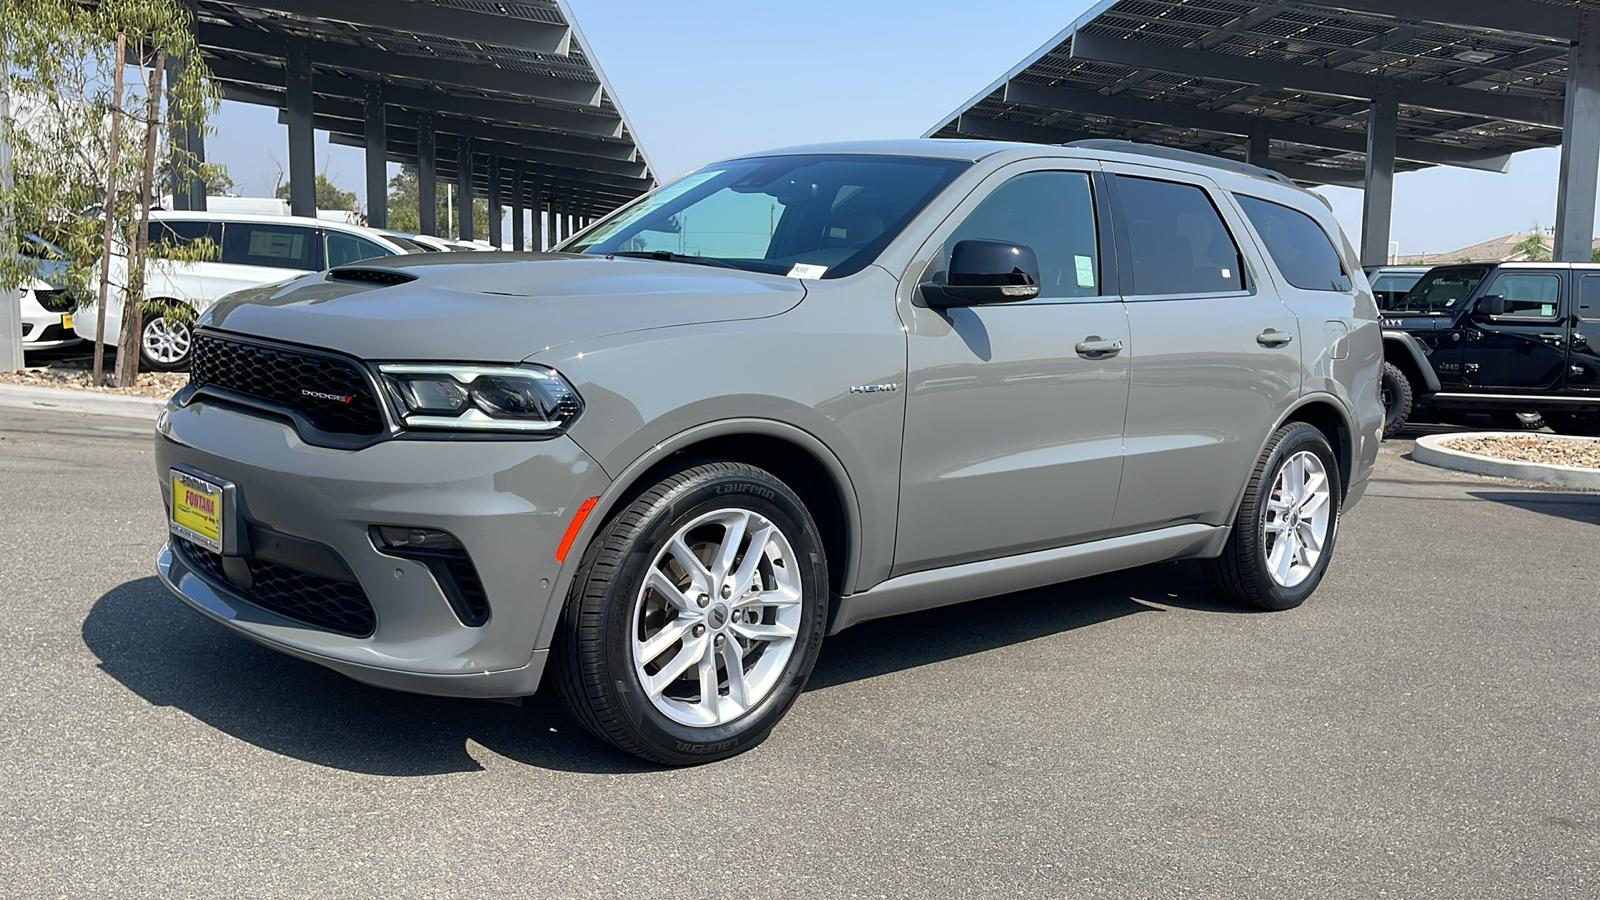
(596, 122)
(1274, 75)
(1552, 20)
(401, 149)
(429, 19)
(497, 210)
(1580, 148)
(519, 230)
(430, 71)
(1176, 115)
(302, 146)
(1003, 130)
(1259, 149)
(1377, 201)
(427, 178)
(1301, 173)
(464, 174)
(377, 158)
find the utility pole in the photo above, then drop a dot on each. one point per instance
(10, 296)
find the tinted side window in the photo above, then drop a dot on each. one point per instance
(1178, 242)
(1298, 245)
(1530, 294)
(276, 246)
(179, 233)
(1589, 297)
(347, 248)
(1051, 212)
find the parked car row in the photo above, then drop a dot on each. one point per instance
(1519, 341)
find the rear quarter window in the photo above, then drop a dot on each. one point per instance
(1299, 247)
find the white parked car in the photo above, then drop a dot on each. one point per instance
(47, 318)
(254, 250)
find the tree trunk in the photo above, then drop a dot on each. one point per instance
(110, 207)
(133, 303)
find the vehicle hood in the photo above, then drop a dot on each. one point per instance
(494, 307)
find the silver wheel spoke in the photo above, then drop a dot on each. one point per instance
(745, 576)
(708, 680)
(728, 551)
(1281, 557)
(1309, 539)
(778, 598)
(699, 575)
(759, 631)
(1312, 504)
(658, 581)
(693, 651)
(738, 688)
(663, 639)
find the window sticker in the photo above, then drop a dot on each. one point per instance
(807, 270)
(1547, 309)
(1085, 271)
(1227, 273)
(276, 244)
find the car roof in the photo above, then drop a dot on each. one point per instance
(270, 219)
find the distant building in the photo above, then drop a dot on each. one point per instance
(1507, 248)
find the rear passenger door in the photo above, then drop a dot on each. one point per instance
(1525, 349)
(256, 253)
(1216, 353)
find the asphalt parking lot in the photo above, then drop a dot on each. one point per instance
(1427, 726)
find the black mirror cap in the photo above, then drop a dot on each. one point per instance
(984, 271)
(1491, 305)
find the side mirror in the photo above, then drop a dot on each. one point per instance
(1491, 305)
(984, 271)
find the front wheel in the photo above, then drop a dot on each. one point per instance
(164, 343)
(695, 617)
(1283, 533)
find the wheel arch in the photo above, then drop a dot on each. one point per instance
(794, 456)
(1330, 417)
(1406, 353)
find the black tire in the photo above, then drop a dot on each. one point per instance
(1397, 398)
(593, 652)
(1510, 420)
(181, 331)
(1241, 572)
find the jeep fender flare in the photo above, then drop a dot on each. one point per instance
(1413, 348)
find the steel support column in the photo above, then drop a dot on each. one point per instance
(497, 210)
(464, 190)
(427, 177)
(302, 140)
(1257, 152)
(377, 133)
(1377, 203)
(519, 211)
(1580, 148)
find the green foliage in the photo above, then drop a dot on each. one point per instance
(1463, 259)
(1532, 245)
(405, 200)
(60, 61)
(1594, 254)
(329, 195)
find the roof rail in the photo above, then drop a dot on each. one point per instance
(1186, 156)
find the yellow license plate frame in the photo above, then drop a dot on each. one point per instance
(66, 322)
(196, 513)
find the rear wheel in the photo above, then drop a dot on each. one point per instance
(696, 617)
(1284, 531)
(1395, 392)
(1508, 420)
(1585, 423)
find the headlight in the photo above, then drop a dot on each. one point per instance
(482, 398)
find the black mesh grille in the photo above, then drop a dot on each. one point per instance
(330, 392)
(57, 301)
(474, 600)
(339, 606)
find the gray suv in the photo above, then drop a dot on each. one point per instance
(780, 396)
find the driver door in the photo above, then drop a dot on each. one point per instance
(1525, 349)
(1014, 411)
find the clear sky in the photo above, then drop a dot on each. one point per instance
(705, 79)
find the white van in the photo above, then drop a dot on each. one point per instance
(254, 250)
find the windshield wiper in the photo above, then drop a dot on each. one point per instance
(669, 256)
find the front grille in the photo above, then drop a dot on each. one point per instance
(56, 301)
(338, 606)
(330, 392)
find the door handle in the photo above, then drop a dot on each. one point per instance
(1550, 338)
(1096, 347)
(1274, 338)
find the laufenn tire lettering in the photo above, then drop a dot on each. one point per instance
(756, 489)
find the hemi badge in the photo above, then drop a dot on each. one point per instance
(874, 388)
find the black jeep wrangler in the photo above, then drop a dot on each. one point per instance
(1500, 338)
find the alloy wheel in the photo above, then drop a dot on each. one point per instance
(165, 341)
(1295, 527)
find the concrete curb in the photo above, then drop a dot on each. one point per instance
(1429, 451)
(92, 403)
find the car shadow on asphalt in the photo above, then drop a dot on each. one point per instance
(1562, 505)
(169, 655)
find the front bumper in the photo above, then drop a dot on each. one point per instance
(508, 502)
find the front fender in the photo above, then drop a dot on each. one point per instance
(1413, 347)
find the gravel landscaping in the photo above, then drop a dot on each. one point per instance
(159, 385)
(1550, 450)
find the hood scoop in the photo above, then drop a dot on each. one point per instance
(375, 277)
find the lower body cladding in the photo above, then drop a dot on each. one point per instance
(305, 569)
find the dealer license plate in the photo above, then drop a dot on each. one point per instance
(66, 322)
(197, 510)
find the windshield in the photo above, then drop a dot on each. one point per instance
(1442, 290)
(825, 216)
(1389, 287)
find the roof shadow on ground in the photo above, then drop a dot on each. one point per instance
(170, 655)
(1562, 505)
